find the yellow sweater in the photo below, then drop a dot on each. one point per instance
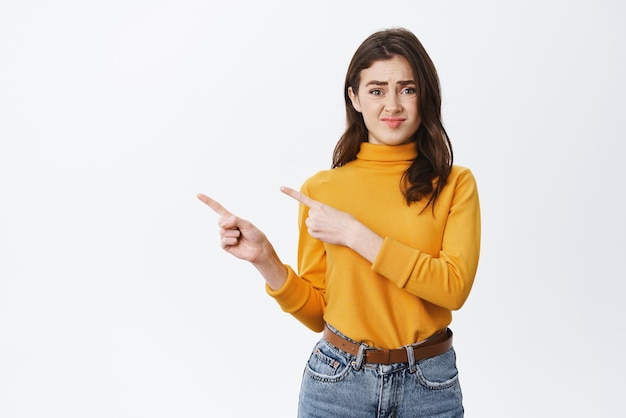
(424, 270)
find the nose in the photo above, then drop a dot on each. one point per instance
(392, 103)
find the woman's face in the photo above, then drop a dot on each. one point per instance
(387, 99)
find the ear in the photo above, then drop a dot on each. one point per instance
(354, 98)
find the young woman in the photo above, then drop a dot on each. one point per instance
(388, 248)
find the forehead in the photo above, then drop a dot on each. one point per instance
(393, 69)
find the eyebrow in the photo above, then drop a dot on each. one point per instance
(384, 83)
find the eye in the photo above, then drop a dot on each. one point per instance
(376, 92)
(408, 90)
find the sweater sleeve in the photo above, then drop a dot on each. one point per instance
(446, 279)
(303, 295)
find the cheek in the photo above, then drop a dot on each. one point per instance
(415, 113)
(417, 123)
(371, 110)
(369, 118)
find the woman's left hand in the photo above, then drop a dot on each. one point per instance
(337, 227)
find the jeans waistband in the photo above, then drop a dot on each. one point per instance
(434, 346)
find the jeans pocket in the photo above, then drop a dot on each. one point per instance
(326, 363)
(438, 372)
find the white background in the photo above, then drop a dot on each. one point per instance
(115, 298)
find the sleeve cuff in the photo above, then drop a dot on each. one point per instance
(290, 295)
(395, 261)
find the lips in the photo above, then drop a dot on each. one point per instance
(392, 122)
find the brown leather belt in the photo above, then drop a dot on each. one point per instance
(431, 347)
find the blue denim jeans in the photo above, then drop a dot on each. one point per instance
(337, 384)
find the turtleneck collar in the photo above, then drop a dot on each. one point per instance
(387, 153)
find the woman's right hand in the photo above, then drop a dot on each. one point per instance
(239, 237)
(245, 241)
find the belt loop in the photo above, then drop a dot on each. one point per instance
(411, 357)
(359, 358)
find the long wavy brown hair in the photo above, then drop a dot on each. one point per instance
(429, 172)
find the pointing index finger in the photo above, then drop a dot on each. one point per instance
(213, 204)
(300, 197)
